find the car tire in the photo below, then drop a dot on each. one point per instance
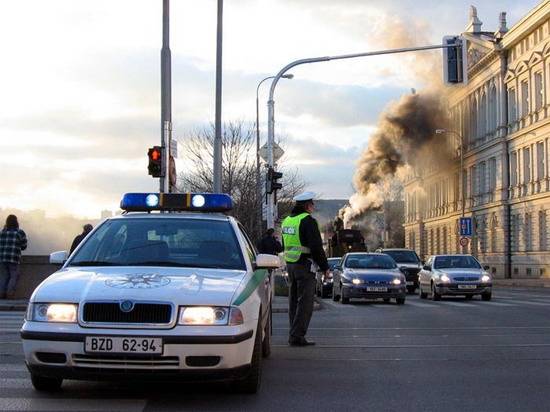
(44, 384)
(345, 300)
(400, 301)
(423, 295)
(486, 296)
(435, 296)
(386, 300)
(266, 343)
(251, 382)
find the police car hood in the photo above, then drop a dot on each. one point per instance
(182, 286)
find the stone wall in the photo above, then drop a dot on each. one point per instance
(33, 270)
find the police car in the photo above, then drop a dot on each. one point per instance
(176, 294)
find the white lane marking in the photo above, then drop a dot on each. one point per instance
(336, 305)
(491, 303)
(456, 304)
(512, 345)
(45, 404)
(525, 302)
(442, 328)
(419, 304)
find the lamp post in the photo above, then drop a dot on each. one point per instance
(258, 175)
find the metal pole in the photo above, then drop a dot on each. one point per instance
(218, 123)
(165, 97)
(271, 102)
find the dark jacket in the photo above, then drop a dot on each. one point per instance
(77, 241)
(270, 245)
(12, 242)
(311, 237)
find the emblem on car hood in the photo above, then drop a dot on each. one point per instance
(138, 281)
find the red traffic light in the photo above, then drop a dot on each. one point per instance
(155, 161)
(155, 154)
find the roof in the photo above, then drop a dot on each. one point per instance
(172, 215)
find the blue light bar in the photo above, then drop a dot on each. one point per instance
(197, 202)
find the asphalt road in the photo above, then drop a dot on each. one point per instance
(454, 355)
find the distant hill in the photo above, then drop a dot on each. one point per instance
(327, 209)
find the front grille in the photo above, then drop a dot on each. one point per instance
(104, 312)
(377, 283)
(466, 279)
(126, 362)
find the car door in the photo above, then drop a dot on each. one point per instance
(426, 274)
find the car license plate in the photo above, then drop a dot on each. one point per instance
(410, 283)
(109, 344)
(467, 286)
(376, 289)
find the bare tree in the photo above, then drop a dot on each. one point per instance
(238, 171)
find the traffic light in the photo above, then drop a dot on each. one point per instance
(455, 68)
(271, 183)
(155, 161)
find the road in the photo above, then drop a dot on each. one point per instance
(454, 355)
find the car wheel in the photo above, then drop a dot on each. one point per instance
(486, 296)
(251, 382)
(435, 295)
(400, 301)
(266, 343)
(44, 384)
(423, 295)
(386, 300)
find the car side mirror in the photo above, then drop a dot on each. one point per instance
(427, 267)
(486, 267)
(58, 258)
(265, 261)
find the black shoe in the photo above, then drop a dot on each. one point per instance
(300, 342)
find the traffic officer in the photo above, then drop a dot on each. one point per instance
(304, 256)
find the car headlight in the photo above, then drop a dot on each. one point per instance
(445, 278)
(396, 281)
(210, 315)
(485, 279)
(53, 312)
(356, 281)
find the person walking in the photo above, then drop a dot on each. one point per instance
(269, 243)
(12, 241)
(87, 228)
(304, 256)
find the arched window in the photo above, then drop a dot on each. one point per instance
(492, 121)
(494, 226)
(482, 118)
(473, 120)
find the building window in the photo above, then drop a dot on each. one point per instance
(445, 239)
(524, 98)
(473, 183)
(539, 92)
(494, 225)
(527, 232)
(482, 124)
(515, 232)
(540, 160)
(514, 169)
(492, 121)
(512, 105)
(482, 235)
(526, 165)
(542, 230)
(482, 178)
(473, 120)
(492, 174)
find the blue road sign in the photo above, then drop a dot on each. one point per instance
(465, 226)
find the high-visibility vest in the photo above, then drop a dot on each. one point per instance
(291, 238)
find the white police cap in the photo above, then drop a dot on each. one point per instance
(302, 197)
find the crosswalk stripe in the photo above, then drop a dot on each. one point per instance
(47, 405)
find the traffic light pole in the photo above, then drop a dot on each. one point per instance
(165, 97)
(271, 102)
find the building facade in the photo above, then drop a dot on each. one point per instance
(500, 120)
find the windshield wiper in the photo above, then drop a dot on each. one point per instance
(95, 263)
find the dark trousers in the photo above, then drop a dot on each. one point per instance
(300, 299)
(9, 272)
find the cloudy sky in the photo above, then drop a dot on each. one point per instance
(80, 98)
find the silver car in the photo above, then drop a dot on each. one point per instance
(454, 275)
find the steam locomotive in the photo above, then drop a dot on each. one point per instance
(345, 240)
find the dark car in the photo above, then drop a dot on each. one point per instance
(368, 276)
(408, 261)
(324, 282)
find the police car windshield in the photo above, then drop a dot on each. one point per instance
(458, 262)
(403, 256)
(196, 243)
(369, 262)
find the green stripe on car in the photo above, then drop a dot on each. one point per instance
(258, 277)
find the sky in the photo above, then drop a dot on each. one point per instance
(80, 85)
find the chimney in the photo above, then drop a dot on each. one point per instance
(474, 26)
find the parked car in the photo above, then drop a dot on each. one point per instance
(454, 275)
(368, 276)
(324, 282)
(410, 264)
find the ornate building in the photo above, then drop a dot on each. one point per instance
(501, 118)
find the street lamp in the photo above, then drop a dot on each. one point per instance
(258, 176)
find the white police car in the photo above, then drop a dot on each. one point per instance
(161, 295)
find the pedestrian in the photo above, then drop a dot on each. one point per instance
(269, 243)
(87, 228)
(304, 256)
(12, 241)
